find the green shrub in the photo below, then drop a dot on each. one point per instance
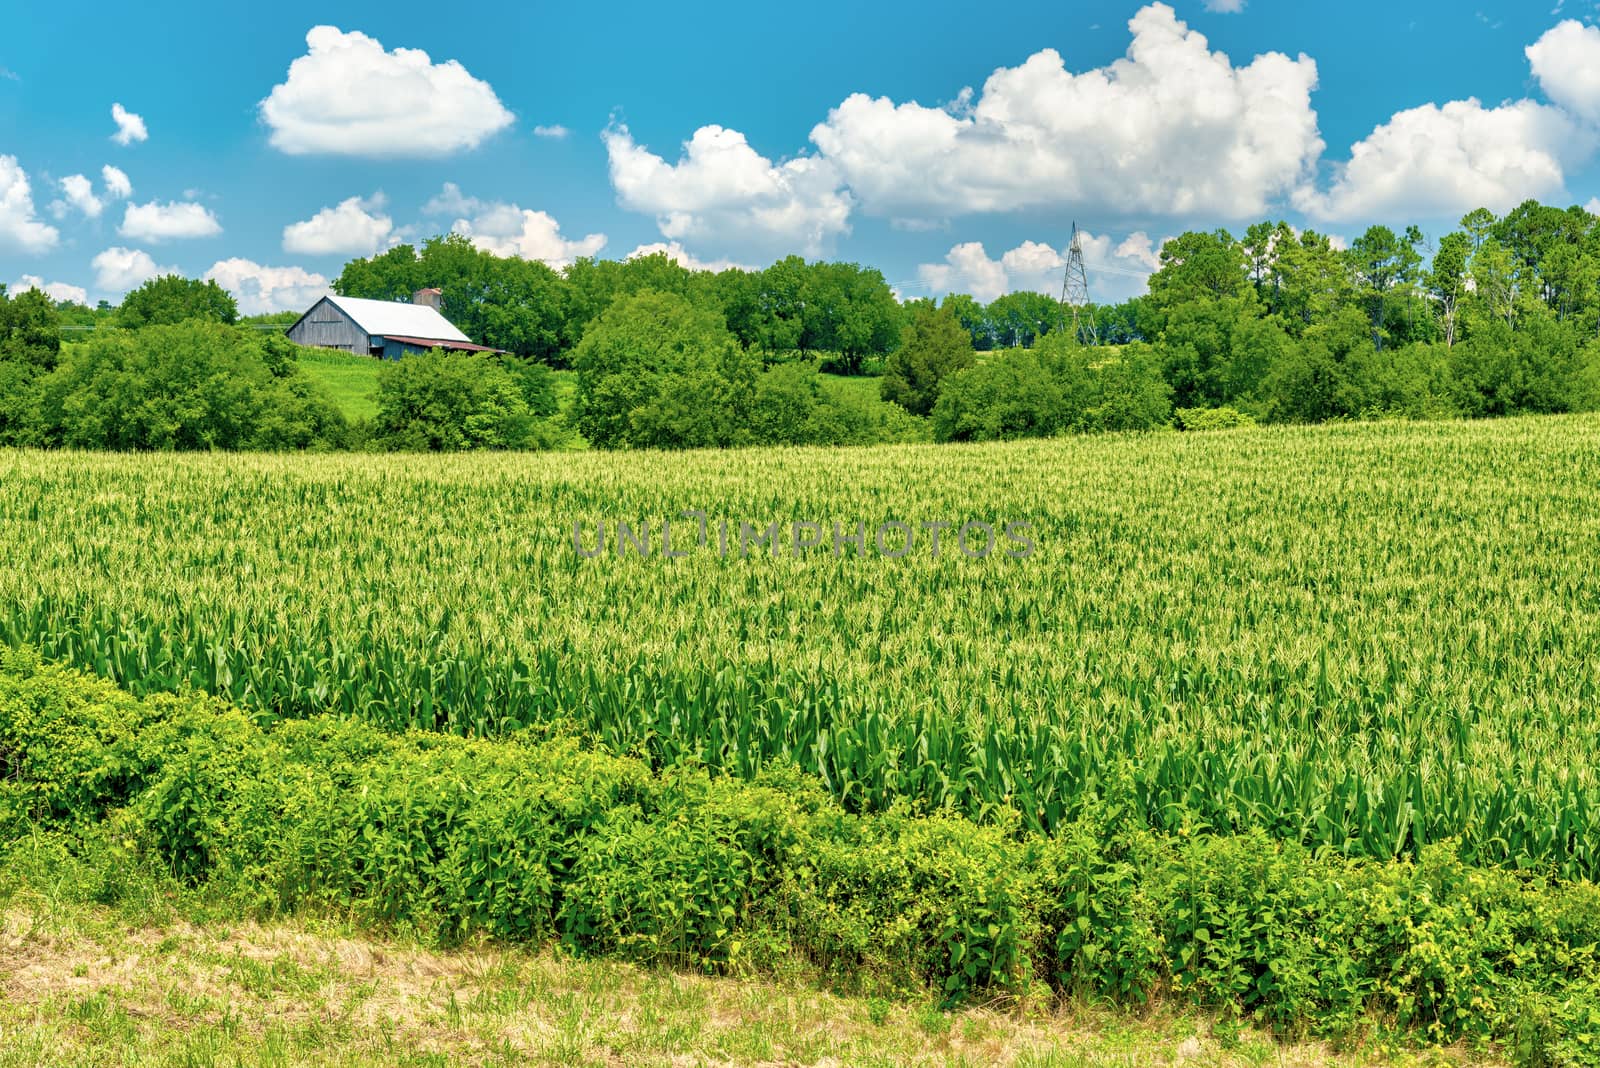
(656, 371)
(532, 839)
(441, 401)
(1010, 395)
(194, 385)
(1224, 418)
(933, 346)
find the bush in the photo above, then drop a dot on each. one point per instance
(1224, 418)
(441, 401)
(655, 371)
(933, 346)
(1110, 389)
(532, 839)
(194, 385)
(1497, 371)
(1058, 385)
(794, 406)
(1010, 395)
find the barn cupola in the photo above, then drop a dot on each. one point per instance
(429, 298)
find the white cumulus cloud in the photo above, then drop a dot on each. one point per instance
(353, 226)
(722, 191)
(1117, 270)
(78, 192)
(1172, 128)
(117, 270)
(1566, 62)
(509, 230)
(1448, 159)
(130, 127)
(19, 227)
(262, 290)
(1445, 159)
(118, 187)
(164, 222)
(57, 291)
(348, 96)
(555, 131)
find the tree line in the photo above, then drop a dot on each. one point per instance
(845, 314)
(1500, 316)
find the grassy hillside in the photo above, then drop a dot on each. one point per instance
(352, 380)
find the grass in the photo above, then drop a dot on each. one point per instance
(351, 380)
(84, 984)
(865, 388)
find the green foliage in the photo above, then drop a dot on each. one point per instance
(441, 401)
(842, 311)
(856, 415)
(173, 299)
(505, 302)
(1500, 371)
(790, 408)
(933, 346)
(30, 330)
(1199, 266)
(280, 321)
(1058, 385)
(1113, 390)
(1019, 319)
(531, 840)
(1210, 419)
(1010, 395)
(192, 385)
(1265, 323)
(30, 345)
(848, 310)
(655, 371)
(1218, 352)
(1325, 376)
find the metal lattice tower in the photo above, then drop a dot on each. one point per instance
(1075, 293)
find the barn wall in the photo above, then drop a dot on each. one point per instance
(393, 350)
(326, 327)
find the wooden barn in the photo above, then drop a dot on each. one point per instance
(384, 328)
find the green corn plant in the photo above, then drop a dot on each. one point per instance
(1366, 638)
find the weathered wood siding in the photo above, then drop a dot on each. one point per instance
(325, 326)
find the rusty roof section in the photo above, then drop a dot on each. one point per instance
(435, 343)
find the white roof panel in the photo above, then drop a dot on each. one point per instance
(391, 317)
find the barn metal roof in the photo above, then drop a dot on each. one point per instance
(390, 318)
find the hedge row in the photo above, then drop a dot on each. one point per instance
(533, 839)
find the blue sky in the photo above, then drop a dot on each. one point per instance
(949, 146)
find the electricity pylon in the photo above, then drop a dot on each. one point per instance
(1075, 293)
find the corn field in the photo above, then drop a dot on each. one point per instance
(1369, 638)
